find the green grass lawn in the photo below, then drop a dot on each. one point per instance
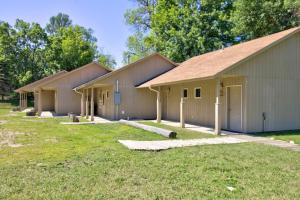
(181, 133)
(283, 135)
(86, 161)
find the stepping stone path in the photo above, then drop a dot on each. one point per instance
(168, 144)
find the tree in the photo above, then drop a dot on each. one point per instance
(182, 29)
(256, 18)
(70, 48)
(30, 62)
(4, 83)
(57, 22)
(107, 61)
(7, 52)
(138, 46)
(140, 17)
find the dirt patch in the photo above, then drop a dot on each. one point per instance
(8, 138)
(11, 114)
(52, 140)
(3, 122)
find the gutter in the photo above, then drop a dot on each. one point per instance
(75, 89)
(157, 91)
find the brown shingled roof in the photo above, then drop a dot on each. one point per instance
(213, 63)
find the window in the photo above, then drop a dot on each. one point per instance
(107, 94)
(197, 93)
(103, 97)
(185, 93)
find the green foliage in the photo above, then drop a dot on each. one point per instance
(31, 40)
(138, 47)
(140, 17)
(107, 60)
(256, 18)
(4, 82)
(71, 47)
(182, 29)
(28, 53)
(57, 22)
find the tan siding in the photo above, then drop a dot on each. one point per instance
(197, 111)
(273, 82)
(48, 103)
(67, 99)
(137, 103)
(106, 109)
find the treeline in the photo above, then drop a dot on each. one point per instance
(180, 29)
(29, 52)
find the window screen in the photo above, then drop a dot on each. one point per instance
(185, 93)
(197, 92)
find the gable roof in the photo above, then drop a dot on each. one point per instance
(122, 69)
(212, 64)
(49, 79)
(29, 87)
(76, 70)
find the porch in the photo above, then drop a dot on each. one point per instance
(97, 103)
(44, 100)
(219, 103)
(198, 128)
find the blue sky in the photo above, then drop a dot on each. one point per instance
(105, 17)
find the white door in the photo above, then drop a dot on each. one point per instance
(234, 108)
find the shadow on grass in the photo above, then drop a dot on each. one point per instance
(289, 136)
(278, 133)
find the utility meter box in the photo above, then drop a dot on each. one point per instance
(117, 98)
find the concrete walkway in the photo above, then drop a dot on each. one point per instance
(197, 128)
(100, 120)
(249, 138)
(268, 141)
(168, 144)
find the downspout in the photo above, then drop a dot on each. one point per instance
(117, 106)
(81, 108)
(78, 91)
(158, 104)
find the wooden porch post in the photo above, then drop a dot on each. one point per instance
(158, 106)
(25, 101)
(23, 98)
(92, 104)
(182, 120)
(87, 104)
(40, 102)
(218, 108)
(82, 103)
(20, 100)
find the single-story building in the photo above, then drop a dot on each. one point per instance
(250, 87)
(55, 93)
(115, 96)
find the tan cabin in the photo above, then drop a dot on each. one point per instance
(249, 87)
(115, 96)
(55, 93)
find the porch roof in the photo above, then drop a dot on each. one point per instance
(212, 64)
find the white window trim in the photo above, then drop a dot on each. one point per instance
(200, 92)
(186, 93)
